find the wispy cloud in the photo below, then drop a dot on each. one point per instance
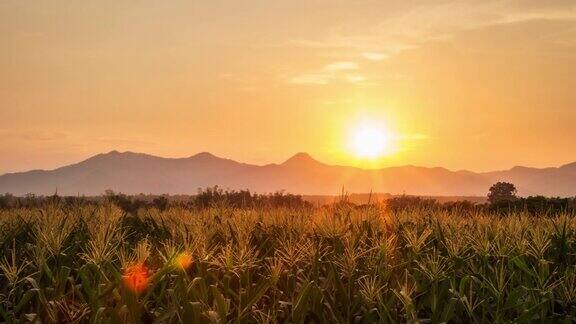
(311, 79)
(341, 66)
(336, 71)
(374, 56)
(417, 24)
(355, 78)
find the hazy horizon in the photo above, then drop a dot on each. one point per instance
(474, 85)
(133, 173)
(364, 167)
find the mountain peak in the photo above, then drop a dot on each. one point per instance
(203, 155)
(125, 153)
(117, 156)
(206, 157)
(299, 159)
(569, 166)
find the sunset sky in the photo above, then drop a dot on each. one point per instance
(478, 85)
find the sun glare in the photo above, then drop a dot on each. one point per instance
(370, 141)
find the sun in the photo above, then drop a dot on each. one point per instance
(370, 141)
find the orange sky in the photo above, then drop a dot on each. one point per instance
(477, 85)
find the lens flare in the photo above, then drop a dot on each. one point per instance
(183, 260)
(136, 278)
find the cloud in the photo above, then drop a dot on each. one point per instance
(341, 66)
(355, 78)
(374, 56)
(380, 36)
(336, 71)
(311, 79)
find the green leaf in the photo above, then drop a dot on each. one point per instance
(301, 305)
(4, 315)
(199, 290)
(260, 291)
(87, 287)
(193, 312)
(25, 300)
(222, 304)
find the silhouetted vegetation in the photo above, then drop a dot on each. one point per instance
(536, 206)
(502, 200)
(206, 198)
(404, 202)
(9, 201)
(213, 197)
(502, 192)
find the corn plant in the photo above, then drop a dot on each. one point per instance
(98, 264)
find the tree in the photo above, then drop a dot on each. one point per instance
(161, 203)
(502, 192)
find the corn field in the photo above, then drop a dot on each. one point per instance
(96, 264)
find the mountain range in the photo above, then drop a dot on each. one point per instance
(134, 173)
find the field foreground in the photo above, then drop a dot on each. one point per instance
(97, 264)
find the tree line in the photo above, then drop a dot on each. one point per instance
(501, 199)
(205, 198)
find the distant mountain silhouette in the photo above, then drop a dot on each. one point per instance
(134, 173)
